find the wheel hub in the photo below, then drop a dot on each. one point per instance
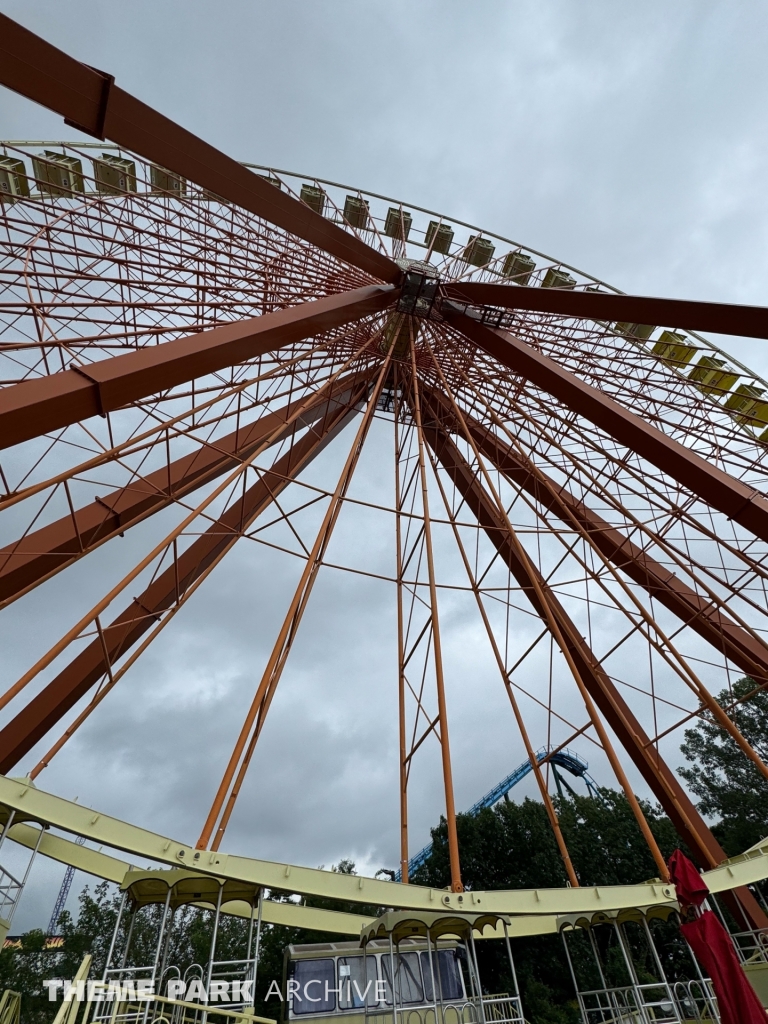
(419, 289)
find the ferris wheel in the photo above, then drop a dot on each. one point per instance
(183, 336)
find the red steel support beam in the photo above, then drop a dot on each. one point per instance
(702, 615)
(90, 101)
(47, 708)
(735, 499)
(661, 780)
(35, 407)
(41, 554)
(721, 317)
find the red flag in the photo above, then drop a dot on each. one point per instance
(691, 887)
(711, 944)
(736, 999)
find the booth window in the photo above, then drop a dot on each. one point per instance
(448, 973)
(316, 980)
(408, 988)
(354, 976)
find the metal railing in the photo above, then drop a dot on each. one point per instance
(112, 1008)
(161, 1010)
(10, 890)
(696, 1001)
(502, 1009)
(231, 971)
(751, 945)
(426, 1013)
(10, 1007)
(652, 1003)
(492, 1009)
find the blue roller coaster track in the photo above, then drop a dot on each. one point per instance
(567, 759)
(61, 899)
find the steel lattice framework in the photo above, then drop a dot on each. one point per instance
(181, 333)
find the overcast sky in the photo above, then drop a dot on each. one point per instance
(626, 139)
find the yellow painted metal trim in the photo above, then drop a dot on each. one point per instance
(91, 861)
(292, 915)
(745, 869)
(10, 1006)
(101, 828)
(34, 804)
(67, 1012)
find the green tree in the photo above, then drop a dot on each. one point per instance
(512, 847)
(605, 842)
(24, 970)
(729, 785)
